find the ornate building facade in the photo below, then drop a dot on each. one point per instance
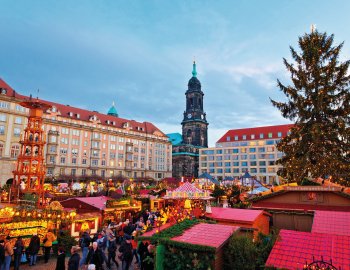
(194, 131)
(83, 143)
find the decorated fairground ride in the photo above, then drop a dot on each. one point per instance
(186, 201)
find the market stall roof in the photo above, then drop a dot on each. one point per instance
(208, 176)
(235, 214)
(213, 235)
(187, 191)
(95, 202)
(332, 222)
(293, 249)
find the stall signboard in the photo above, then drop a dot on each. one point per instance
(88, 224)
(117, 203)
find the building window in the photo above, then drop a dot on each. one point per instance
(2, 130)
(62, 171)
(244, 137)
(52, 160)
(49, 171)
(18, 120)
(228, 138)
(63, 160)
(236, 138)
(252, 136)
(16, 132)
(262, 170)
(262, 163)
(4, 105)
(19, 108)
(261, 136)
(279, 134)
(74, 161)
(253, 163)
(94, 162)
(93, 172)
(73, 172)
(83, 172)
(84, 161)
(14, 151)
(103, 163)
(2, 117)
(103, 173)
(252, 150)
(244, 163)
(270, 135)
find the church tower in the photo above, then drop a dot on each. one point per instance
(194, 123)
(194, 132)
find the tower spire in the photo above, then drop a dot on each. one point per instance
(194, 72)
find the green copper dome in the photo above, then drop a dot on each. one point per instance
(113, 111)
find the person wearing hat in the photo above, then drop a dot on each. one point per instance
(33, 248)
(112, 249)
(73, 262)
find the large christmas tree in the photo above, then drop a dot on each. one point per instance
(318, 102)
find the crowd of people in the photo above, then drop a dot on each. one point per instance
(115, 246)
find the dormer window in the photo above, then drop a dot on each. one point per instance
(126, 125)
(108, 122)
(113, 123)
(3, 91)
(93, 118)
(70, 114)
(54, 109)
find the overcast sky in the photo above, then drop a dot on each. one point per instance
(139, 54)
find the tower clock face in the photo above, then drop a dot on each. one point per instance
(189, 115)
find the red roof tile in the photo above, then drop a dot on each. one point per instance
(331, 222)
(292, 249)
(98, 202)
(230, 135)
(234, 214)
(295, 206)
(204, 234)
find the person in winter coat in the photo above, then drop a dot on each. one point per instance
(33, 248)
(61, 259)
(73, 262)
(8, 254)
(49, 238)
(85, 241)
(17, 250)
(95, 256)
(112, 249)
(126, 250)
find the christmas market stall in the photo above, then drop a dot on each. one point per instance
(24, 221)
(254, 221)
(121, 209)
(186, 200)
(191, 244)
(94, 206)
(105, 209)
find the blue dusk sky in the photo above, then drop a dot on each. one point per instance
(139, 54)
